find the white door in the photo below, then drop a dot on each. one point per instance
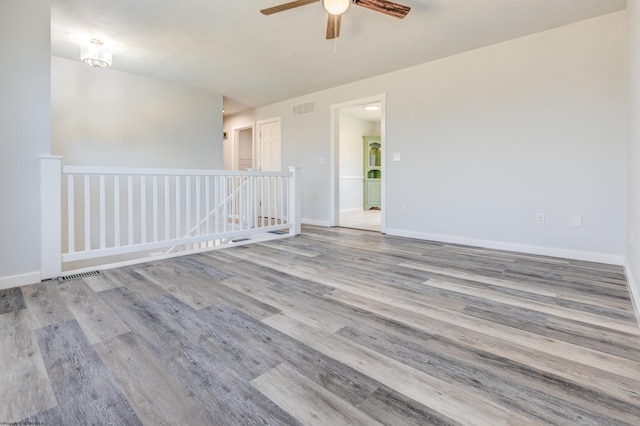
(269, 161)
(269, 135)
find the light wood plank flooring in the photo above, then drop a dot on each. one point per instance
(333, 327)
(361, 219)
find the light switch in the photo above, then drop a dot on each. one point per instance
(396, 156)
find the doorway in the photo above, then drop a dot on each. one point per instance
(244, 149)
(358, 164)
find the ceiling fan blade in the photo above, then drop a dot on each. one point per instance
(333, 26)
(387, 7)
(286, 6)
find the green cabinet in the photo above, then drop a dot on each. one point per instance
(372, 172)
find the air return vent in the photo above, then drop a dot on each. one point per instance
(304, 108)
(78, 276)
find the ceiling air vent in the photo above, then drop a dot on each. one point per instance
(304, 108)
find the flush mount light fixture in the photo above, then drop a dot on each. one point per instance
(95, 53)
(371, 107)
(336, 7)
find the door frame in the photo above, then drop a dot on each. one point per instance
(235, 152)
(335, 155)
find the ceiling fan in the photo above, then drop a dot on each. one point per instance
(336, 8)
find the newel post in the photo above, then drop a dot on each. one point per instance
(295, 201)
(50, 216)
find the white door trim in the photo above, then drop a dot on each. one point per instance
(335, 155)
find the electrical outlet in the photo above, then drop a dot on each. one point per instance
(403, 209)
(576, 220)
(540, 218)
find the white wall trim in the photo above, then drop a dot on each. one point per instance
(633, 289)
(610, 259)
(315, 222)
(19, 280)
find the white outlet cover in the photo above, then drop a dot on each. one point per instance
(396, 156)
(576, 220)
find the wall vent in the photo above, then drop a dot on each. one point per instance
(304, 108)
(78, 276)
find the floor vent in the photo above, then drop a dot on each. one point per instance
(239, 240)
(304, 108)
(78, 276)
(280, 232)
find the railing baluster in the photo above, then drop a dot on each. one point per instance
(178, 207)
(234, 202)
(207, 203)
(280, 192)
(225, 214)
(261, 201)
(187, 213)
(166, 208)
(198, 206)
(87, 213)
(71, 221)
(143, 209)
(241, 218)
(116, 210)
(130, 210)
(155, 208)
(103, 208)
(216, 197)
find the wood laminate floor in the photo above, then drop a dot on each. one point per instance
(333, 327)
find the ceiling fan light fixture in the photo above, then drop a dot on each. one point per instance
(336, 7)
(94, 53)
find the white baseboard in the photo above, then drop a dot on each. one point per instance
(315, 222)
(19, 280)
(633, 289)
(587, 256)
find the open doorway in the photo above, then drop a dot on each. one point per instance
(244, 149)
(358, 162)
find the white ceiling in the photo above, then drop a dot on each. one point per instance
(229, 47)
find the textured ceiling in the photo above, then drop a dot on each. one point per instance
(230, 48)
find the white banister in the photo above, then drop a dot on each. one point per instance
(203, 207)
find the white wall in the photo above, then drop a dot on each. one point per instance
(633, 153)
(351, 160)
(489, 138)
(103, 117)
(24, 134)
